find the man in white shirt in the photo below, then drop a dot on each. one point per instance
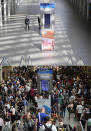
(48, 124)
(79, 110)
(27, 88)
(13, 114)
(5, 88)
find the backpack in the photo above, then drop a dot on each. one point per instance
(48, 128)
(29, 125)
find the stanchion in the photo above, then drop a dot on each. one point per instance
(4, 62)
(80, 62)
(70, 60)
(29, 61)
(22, 62)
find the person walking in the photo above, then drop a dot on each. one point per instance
(89, 124)
(79, 110)
(39, 22)
(1, 122)
(63, 109)
(29, 124)
(47, 126)
(40, 117)
(27, 22)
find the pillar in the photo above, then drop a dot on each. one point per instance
(9, 7)
(18, 2)
(84, 9)
(12, 6)
(5, 10)
(0, 14)
(87, 9)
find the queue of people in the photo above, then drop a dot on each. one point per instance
(70, 93)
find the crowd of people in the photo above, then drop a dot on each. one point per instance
(70, 93)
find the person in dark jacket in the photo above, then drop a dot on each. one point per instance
(29, 124)
(27, 22)
(39, 22)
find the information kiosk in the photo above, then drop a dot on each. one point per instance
(44, 80)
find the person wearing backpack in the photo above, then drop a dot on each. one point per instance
(47, 126)
(29, 124)
(40, 117)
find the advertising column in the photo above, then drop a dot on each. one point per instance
(47, 25)
(44, 80)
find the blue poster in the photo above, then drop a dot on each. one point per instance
(47, 21)
(47, 109)
(44, 85)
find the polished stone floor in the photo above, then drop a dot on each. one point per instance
(23, 47)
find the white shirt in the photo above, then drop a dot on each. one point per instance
(79, 91)
(42, 128)
(1, 122)
(13, 111)
(5, 88)
(36, 98)
(79, 108)
(27, 88)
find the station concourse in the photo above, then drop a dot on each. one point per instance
(72, 44)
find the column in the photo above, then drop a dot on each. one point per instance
(87, 9)
(5, 10)
(9, 7)
(0, 73)
(12, 7)
(84, 9)
(0, 14)
(18, 2)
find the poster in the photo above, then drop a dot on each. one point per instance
(47, 40)
(46, 103)
(44, 85)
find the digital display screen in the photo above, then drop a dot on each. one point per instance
(44, 85)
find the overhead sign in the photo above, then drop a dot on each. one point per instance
(46, 103)
(47, 5)
(44, 71)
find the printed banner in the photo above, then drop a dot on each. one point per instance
(46, 103)
(47, 40)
